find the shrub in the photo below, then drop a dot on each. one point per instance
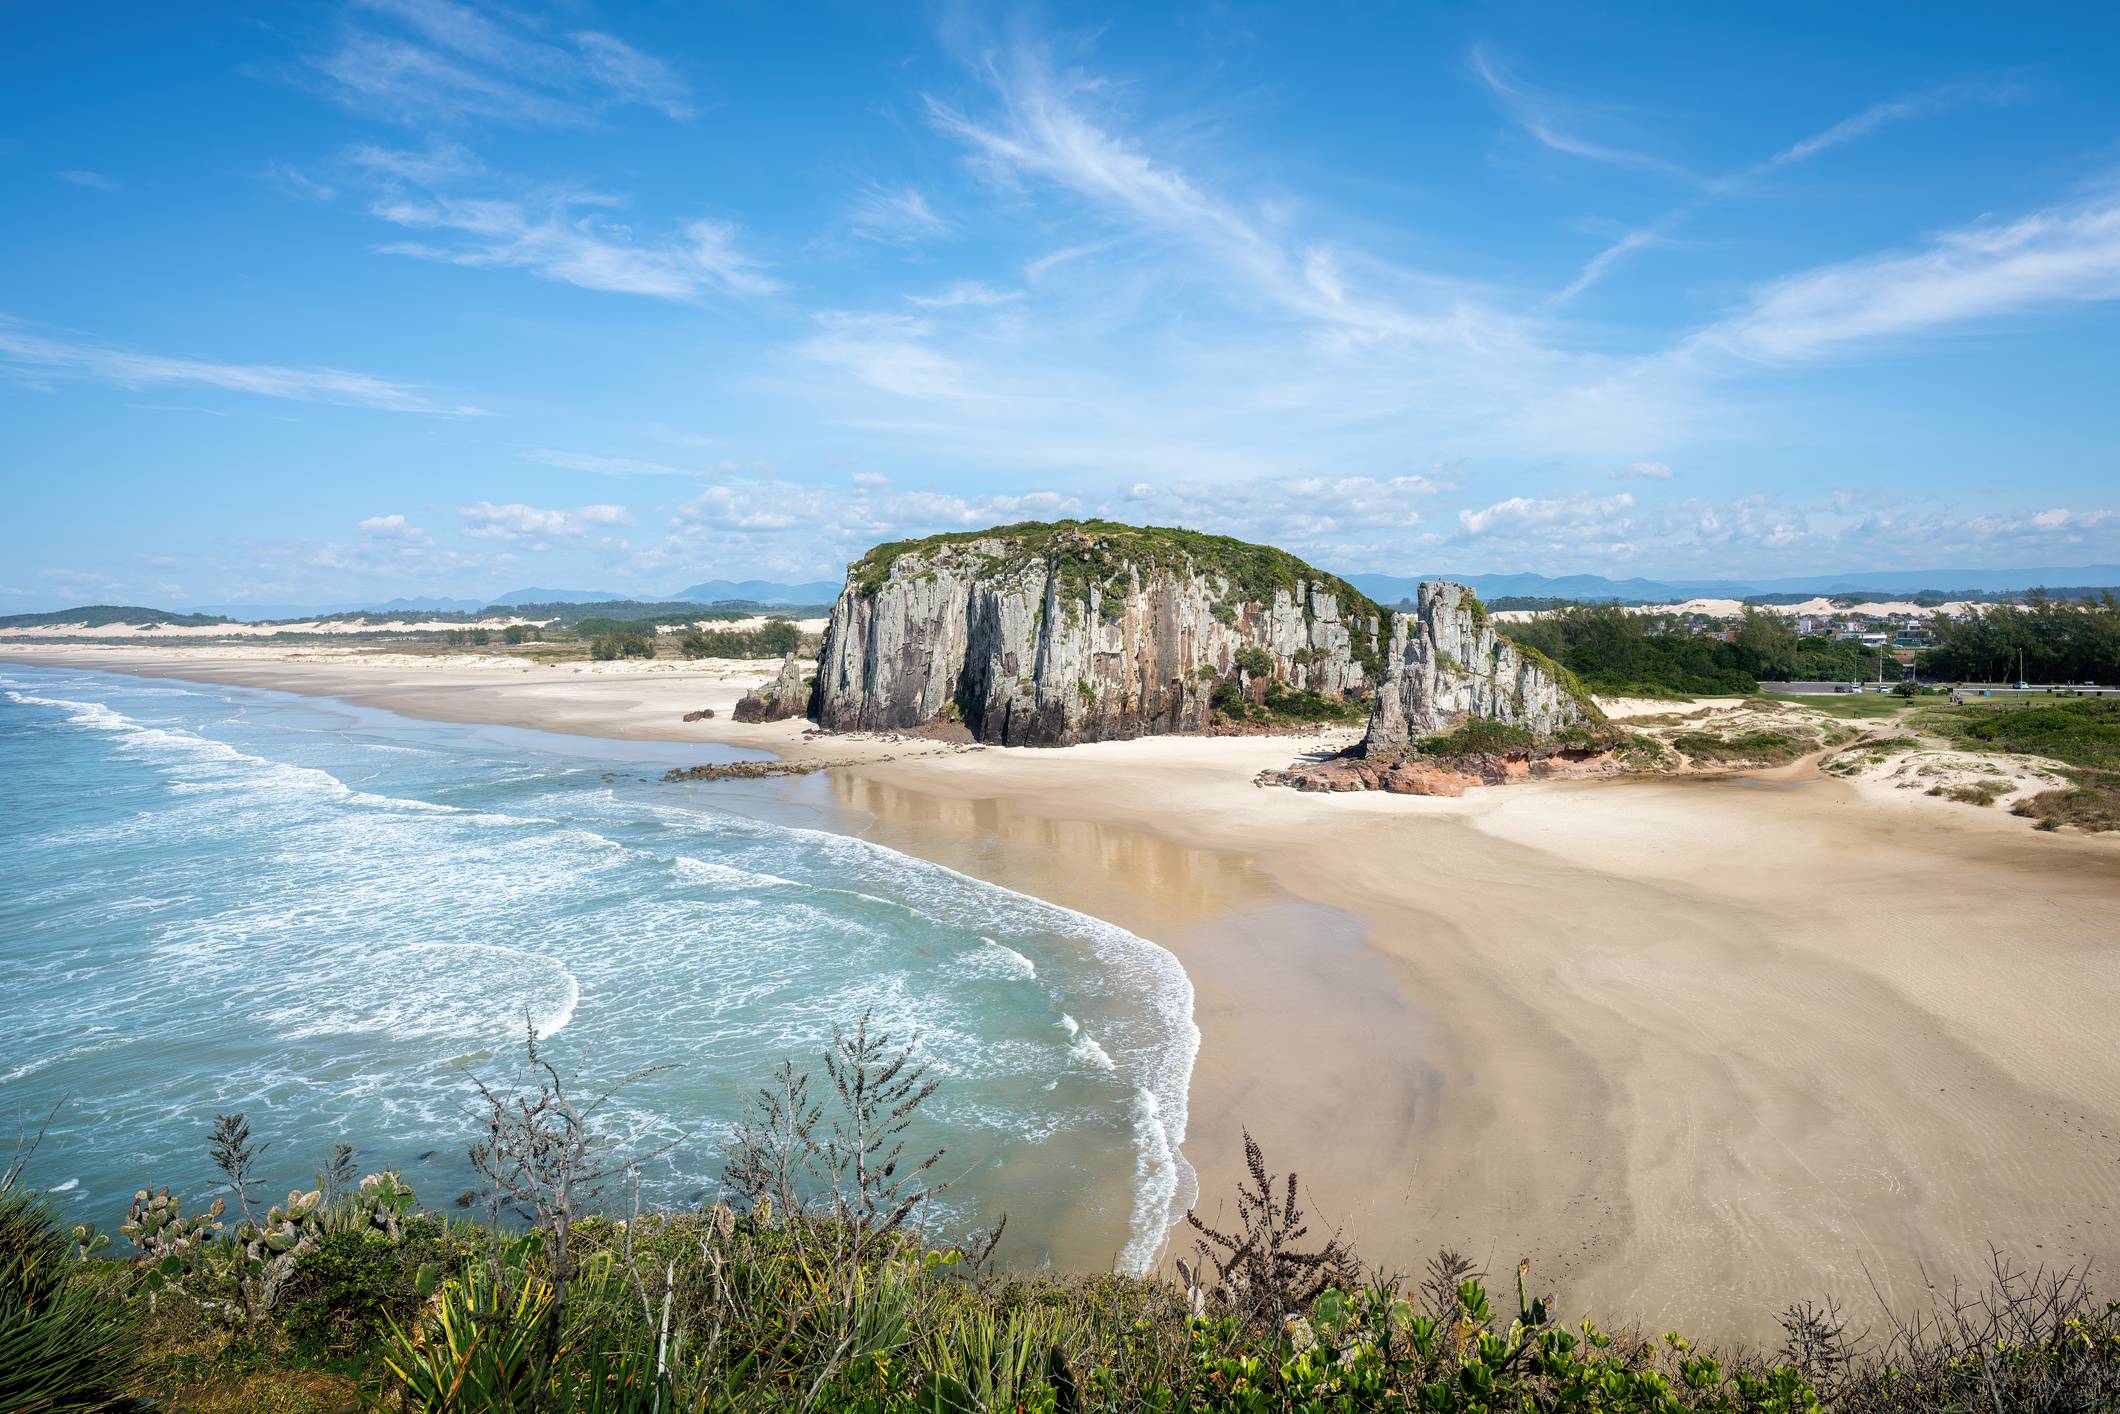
(609, 646)
(1478, 736)
(1253, 661)
(772, 640)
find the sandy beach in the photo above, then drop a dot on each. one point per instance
(1699, 1046)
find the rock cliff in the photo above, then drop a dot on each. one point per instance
(1049, 633)
(1446, 665)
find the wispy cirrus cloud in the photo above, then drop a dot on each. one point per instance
(418, 61)
(897, 216)
(1658, 233)
(128, 369)
(1552, 122)
(1047, 129)
(95, 181)
(2059, 256)
(604, 465)
(568, 236)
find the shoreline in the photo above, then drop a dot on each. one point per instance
(1710, 1045)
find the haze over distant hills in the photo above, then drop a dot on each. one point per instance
(1387, 589)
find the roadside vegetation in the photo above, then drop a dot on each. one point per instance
(2042, 640)
(810, 1283)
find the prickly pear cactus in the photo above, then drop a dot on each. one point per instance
(384, 1199)
(157, 1225)
(172, 1247)
(271, 1251)
(87, 1241)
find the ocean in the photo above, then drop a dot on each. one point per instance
(331, 918)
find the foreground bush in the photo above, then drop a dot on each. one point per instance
(812, 1287)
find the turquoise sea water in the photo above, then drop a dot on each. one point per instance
(218, 898)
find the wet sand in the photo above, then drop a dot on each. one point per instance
(1699, 1048)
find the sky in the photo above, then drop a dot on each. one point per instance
(306, 303)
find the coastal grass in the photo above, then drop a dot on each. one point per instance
(2081, 733)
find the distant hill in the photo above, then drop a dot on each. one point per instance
(97, 615)
(426, 604)
(760, 591)
(562, 596)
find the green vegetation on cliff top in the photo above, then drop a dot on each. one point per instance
(1087, 552)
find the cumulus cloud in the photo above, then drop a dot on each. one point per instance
(1574, 512)
(485, 521)
(392, 527)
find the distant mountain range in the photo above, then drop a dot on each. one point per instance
(1389, 589)
(760, 591)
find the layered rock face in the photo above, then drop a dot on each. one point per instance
(1446, 665)
(1042, 635)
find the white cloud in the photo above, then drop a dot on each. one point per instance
(1045, 131)
(1658, 232)
(297, 183)
(485, 521)
(1547, 120)
(1574, 512)
(565, 238)
(424, 60)
(94, 180)
(965, 294)
(888, 352)
(2059, 256)
(870, 479)
(133, 370)
(394, 528)
(1643, 471)
(896, 215)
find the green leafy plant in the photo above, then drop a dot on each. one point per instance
(67, 1339)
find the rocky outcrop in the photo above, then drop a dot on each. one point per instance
(787, 695)
(1447, 665)
(1412, 774)
(1046, 634)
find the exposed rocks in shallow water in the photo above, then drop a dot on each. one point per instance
(747, 770)
(787, 695)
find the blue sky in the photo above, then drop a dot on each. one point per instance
(303, 303)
